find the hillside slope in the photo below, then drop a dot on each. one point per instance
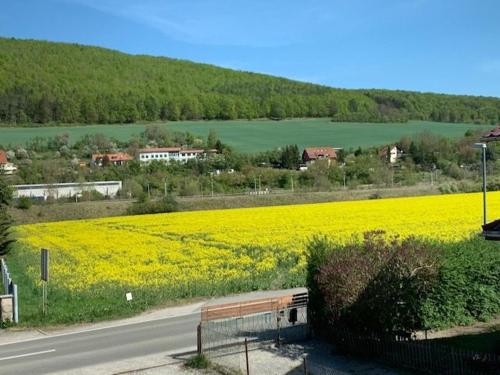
(55, 82)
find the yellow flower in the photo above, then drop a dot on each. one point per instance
(223, 245)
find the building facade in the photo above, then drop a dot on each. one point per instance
(5, 166)
(311, 154)
(167, 154)
(117, 158)
(390, 153)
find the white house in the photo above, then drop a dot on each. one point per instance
(390, 153)
(66, 190)
(167, 154)
(5, 166)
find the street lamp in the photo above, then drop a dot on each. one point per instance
(212, 183)
(482, 146)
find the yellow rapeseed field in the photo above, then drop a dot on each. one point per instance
(224, 245)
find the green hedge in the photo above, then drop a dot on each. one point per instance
(389, 286)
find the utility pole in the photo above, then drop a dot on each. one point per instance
(212, 183)
(484, 184)
(291, 180)
(165, 183)
(255, 184)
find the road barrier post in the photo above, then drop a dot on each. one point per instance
(198, 338)
(246, 356)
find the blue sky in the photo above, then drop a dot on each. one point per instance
(449, 46)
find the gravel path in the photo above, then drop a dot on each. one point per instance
(321, 359)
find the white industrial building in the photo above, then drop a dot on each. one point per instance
(67, 190)
(167, 154)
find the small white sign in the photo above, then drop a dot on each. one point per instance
(129, 296)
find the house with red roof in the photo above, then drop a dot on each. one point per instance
(5, 166)
(492, 135)
(311, 154)
(117, 158)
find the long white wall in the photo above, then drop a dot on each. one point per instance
(66, 190)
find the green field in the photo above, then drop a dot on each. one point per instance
(259, 135)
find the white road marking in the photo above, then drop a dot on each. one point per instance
(27, 355)
(49, 336)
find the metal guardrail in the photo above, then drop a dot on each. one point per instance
(10, 288)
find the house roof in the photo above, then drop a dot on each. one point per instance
(319, 152)
(3, 157)
(493, 134)
(97, 156)
(118, 156)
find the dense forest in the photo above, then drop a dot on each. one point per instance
(46, 82)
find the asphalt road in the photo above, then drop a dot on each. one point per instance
(81, 349)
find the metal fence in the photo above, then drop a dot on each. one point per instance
(10, 288)
(423, 356)
(228, 332)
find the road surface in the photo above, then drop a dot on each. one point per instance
(75, 350)
(70, 351)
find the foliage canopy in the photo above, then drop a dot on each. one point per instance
(43, 82)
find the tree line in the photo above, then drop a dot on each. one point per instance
(46, 82)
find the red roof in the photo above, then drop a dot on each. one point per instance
(119, 156)
(3, 157)
(492, 134)
(96, 157)
(313, 153)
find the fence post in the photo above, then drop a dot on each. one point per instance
(246, 356)
(16, 305)
(198, 338)
(305, 366)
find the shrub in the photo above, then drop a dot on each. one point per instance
(199, 361)
(376, 285)
(467, 287)
(24, 203)
(167, 204)
(389, 286)
(92, 195)
(6, 238)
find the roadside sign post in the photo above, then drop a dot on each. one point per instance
(44, 277)
(128, 297)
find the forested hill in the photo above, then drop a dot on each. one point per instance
(44, 82)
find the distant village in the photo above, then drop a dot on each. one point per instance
(166, 155)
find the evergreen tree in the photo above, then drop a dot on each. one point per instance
(6, 238)
(290, 157)
(212, 138)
